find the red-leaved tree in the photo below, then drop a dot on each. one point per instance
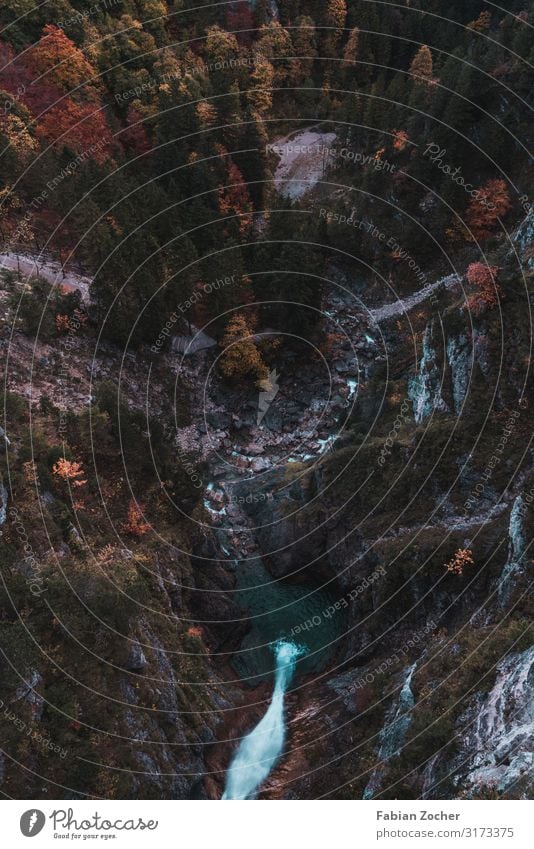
(483, 279)
(80, 128)
(234, 197)
(484, 212)
(62, 64)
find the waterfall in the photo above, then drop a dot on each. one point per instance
(516, 550)
(261, 748)
(424, 388)
(393, 733)
(3, 502)
(460, 361)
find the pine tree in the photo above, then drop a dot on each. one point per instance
(275, 43)
(231, 116)
(222, 56)
(350, 53)
(334, 18)
(259, 94)
(253, 163)
(375, 111)
(305, 43)
(421, 67)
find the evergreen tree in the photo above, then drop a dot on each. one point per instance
(421, 66)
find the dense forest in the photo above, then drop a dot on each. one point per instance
(280, 338)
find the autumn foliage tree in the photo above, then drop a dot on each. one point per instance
(62, 323)
(80, 128)
(260, 95)
(275, 44)
(56, 82)
(134, 136)
(483, 279)
(69, 472)
(240, 20)
(400, 139)
(234, 199)
(459, 561)
(17, 142)
(484, 211)
(482, 23)
(421, 67)
(305, 46)
(350, 53)
(222, 55)
(334, 17)
(240, 357)
(135, 524)
(57, 57)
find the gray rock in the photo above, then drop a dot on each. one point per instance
(255, 449)
(26, 692)
(136, 660)
(3, 502)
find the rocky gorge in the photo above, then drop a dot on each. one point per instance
(327, 505)
(274, 501)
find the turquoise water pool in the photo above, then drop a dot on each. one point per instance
(283, 611)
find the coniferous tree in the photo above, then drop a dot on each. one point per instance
(421, 66)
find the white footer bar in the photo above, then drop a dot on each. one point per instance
(269, 825)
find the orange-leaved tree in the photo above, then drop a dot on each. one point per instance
(234, 198)
(69, 471)
(460, 559)
(400, 139)
(350, 52)
(335, 14)
(484, 211)
(135, 524)
(422, 66)
(240, 357)
(62, 323)
(483, 279)
(60, 62)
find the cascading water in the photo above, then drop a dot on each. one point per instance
(517, 543)
(261, 748)
(392, 736)
(424, 388)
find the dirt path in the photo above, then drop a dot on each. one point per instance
(50, 271)
(403, 305)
